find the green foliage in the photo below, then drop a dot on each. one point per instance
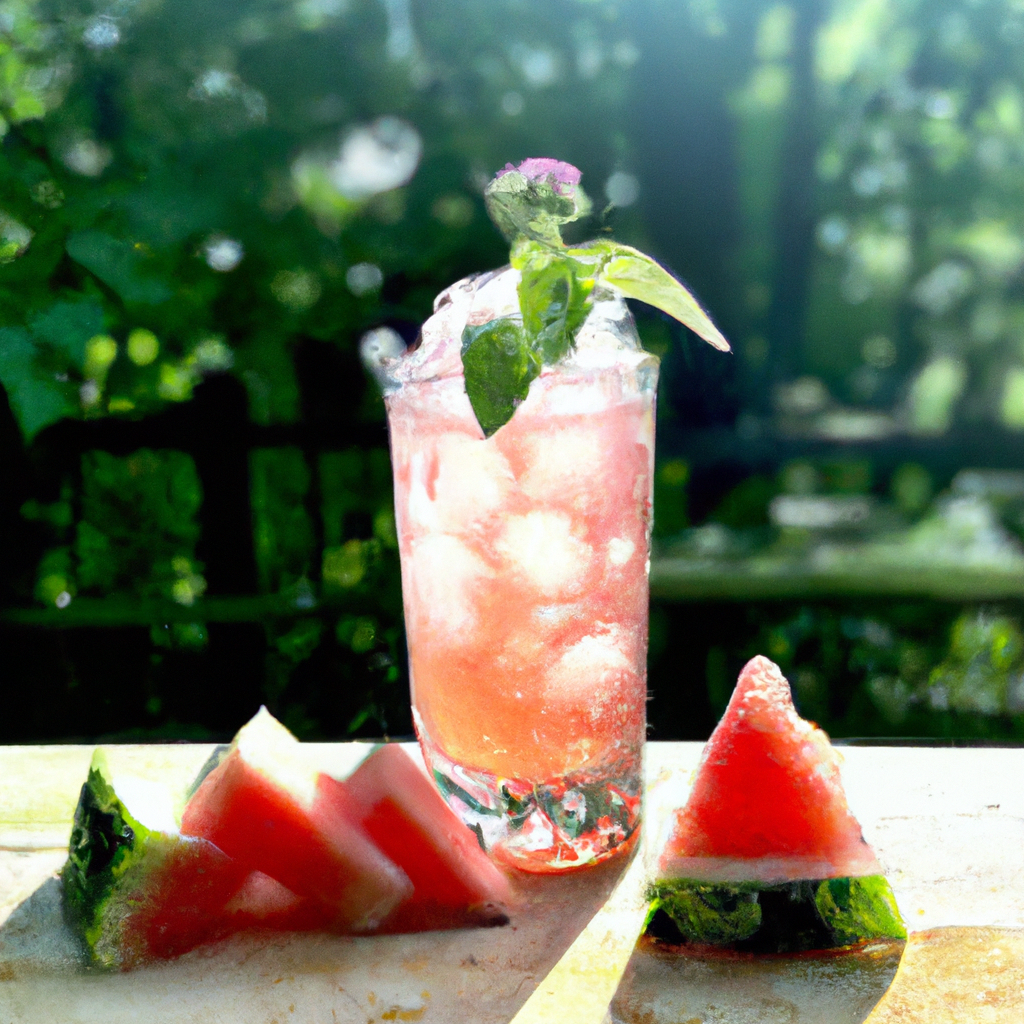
(174, 204)
(164, 167)
(670, 508)
(982, 669)
(899, 668)
(282, 529)
(43, 368)
(919, 208)
(533, 208)
(119, 264)
(356, 483)
(746, 505)
(301, 640)
(501, 358)
(639, 277)
(139, 525)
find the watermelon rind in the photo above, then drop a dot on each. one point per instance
(859, 909)
(787, 917)
(131, 892)
(110, 852)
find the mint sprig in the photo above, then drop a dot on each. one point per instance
(529, 204)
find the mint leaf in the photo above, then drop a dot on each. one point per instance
(499, 364)
(529, 204)
(857, 909)
(639, 277)
(554, 299)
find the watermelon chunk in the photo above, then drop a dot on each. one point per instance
(455, 884)
(134, 889)
(765, 855)
(264, 903)
(268, 807)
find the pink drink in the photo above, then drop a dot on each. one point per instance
(524, 574)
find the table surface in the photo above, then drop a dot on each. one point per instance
(947, 825)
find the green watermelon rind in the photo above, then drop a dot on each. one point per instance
(846, 911)
(859, 909)
(111, 857)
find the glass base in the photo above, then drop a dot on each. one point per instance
(551, 826)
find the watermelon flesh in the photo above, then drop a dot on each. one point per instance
(455, 884)
(767, 803)
(268, 842)
(765, 856)
(134, 889)
(266, 806)
(264, 903)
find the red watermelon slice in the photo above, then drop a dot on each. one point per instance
(455, 884)
(267, 806)
(765, 855)
(134, 889)
(263, 903)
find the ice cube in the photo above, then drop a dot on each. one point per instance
(561, 464)
(562, 395)
(592, 666)
(456, 482)
(607, 338)
(597, 672)
(421, 511)
(473, 480)
(445, 575)
(543, 548)
(620, 550)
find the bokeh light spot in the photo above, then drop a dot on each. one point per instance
(363, 278)
(223, 254)
(143, 346)
(622, 189)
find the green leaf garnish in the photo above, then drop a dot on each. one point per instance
(554, 298)
(529, 204)
(499, 364)
(859, 908)
(639, 277)
(534, 205)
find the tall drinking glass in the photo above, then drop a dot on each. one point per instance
(525, 561)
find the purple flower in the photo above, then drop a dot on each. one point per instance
(563, 177)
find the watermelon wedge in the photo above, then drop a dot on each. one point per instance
(134, 889)
(765, 856)
(262, 903)
(455, 884)
(267, 806)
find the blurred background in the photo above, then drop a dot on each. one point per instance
(205, 206)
